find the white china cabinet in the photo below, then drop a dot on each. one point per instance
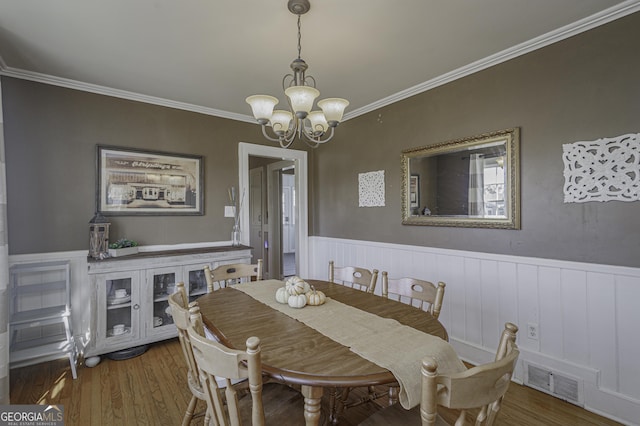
(129, 294)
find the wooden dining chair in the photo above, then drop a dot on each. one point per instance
(218, 363)
(231, 274)
(365, 280)
(415, 292)
(478, 390)
(180, 313)
(353, 276)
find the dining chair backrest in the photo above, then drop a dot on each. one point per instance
(353, 276)
(482, 387)
(180, 313)
(234, 273)
(414, 292)
(478, 390)
(216, 361)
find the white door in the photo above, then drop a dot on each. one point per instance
(288, 214)
(276, 240)
(256, 214)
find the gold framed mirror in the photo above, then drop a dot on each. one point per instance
(470, 182)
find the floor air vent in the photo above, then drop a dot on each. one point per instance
(557, 384)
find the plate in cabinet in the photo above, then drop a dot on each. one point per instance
(118, 300)
(126, 331)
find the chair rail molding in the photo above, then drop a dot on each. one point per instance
(586, 314)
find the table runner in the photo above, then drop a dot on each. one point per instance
(370, 336)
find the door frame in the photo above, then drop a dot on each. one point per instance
(301, 184)
(274, 207)
(258, 240)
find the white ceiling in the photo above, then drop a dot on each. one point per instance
(208, 56)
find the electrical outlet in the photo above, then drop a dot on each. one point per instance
(532, 331)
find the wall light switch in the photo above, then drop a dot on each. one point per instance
(229, 211)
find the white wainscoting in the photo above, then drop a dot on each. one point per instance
(588, 315)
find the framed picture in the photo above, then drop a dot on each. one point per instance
(414, 190)
(137, 182)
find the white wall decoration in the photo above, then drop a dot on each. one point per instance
(606, 169)
(371, 189)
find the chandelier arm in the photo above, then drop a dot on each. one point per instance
(285, 145)
(306, 141)
(284, 141)
(310, 77)
(290, 135)
(317, 141)
(266, 135)
(291, 82)
(288, 138)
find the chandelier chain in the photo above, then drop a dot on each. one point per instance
(299, 38)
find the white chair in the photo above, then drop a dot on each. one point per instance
(180, 313)
(353, 276)
(280, 404)
(480, 389)
(413, 290)
(361, 279)
(231, 274)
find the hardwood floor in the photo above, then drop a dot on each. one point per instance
(151, 390)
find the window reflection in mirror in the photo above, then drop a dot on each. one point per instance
(469, 182)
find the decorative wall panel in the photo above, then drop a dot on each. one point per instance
(606, 169)
(371, 189)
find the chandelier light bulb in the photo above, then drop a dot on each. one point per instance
(333, 109)
(318, 123)
(301, 98)
(280, 121)
(262, 107)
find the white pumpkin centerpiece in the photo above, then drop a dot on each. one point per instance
(297, 301)
(282, 295)
(296, 285)
(297, 293)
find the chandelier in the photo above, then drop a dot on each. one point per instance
(300, 89)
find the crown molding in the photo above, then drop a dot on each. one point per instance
(117, 93)
(593, 21)
(611, 14)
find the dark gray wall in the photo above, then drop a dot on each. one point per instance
(583, 88)
(51, 135)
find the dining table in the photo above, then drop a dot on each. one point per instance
(297, 351)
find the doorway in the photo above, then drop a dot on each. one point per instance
(287, 171)
(282, 228)
(273, 215)
(288, 222)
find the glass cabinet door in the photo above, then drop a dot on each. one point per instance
(163, 283)
(120, 293)
(197, 282)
